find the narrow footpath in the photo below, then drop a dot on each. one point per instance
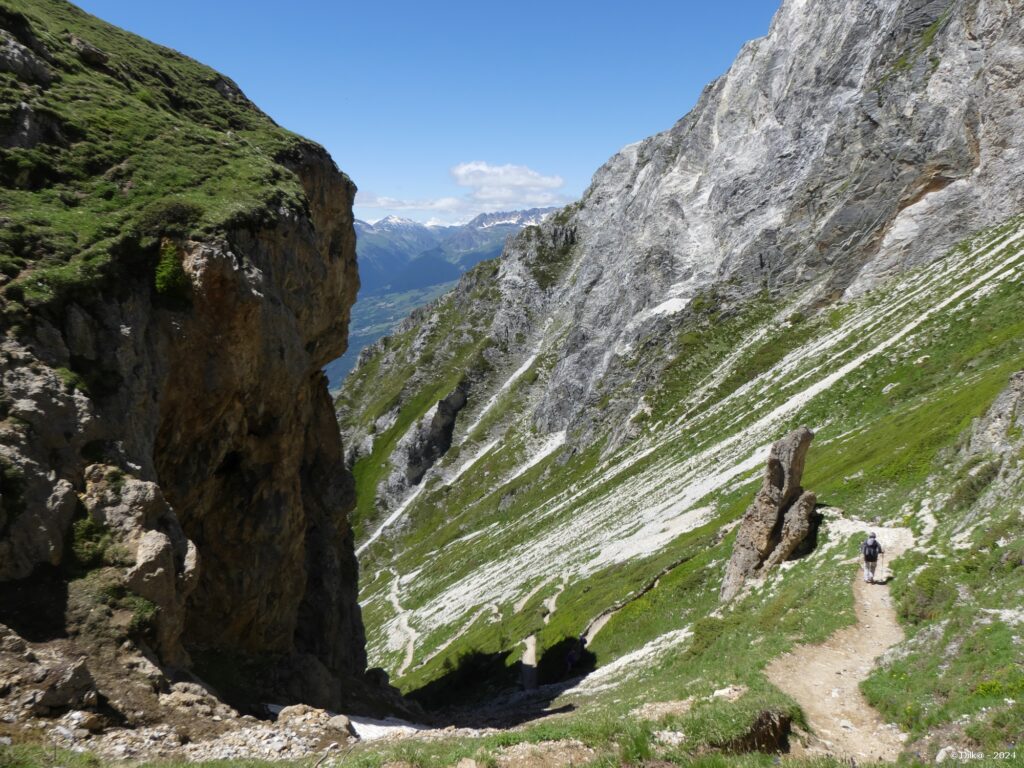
(824, 679)
(408, 635)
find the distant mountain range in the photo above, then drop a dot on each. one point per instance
(404, 264)
(398, 255)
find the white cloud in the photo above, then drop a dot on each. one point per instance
(505, 182)
(447, 204)
(488, 187)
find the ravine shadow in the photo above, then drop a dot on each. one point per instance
(483, 690)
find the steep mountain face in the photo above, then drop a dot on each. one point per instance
(852, 143)
(856, 140)
(831, 238)
(177, 270)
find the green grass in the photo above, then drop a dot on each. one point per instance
(150, 145)
(170, 281)
(961, 664)
(886, 432)
(617, 744)
(924, 42)
(90, 542)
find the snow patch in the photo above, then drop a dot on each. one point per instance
(369, 729)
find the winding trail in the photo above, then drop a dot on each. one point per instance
(411, 635)
(824, 679)
(551, 604)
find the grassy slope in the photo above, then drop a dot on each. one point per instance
(368, 394)
(149, 143)
(884, 430)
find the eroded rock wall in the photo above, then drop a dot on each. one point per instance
(207, 445)
(172, 479)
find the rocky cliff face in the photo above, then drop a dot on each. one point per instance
(172, 470)
(854, 141)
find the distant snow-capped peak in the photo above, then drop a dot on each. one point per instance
(395, 222)
(526, 218)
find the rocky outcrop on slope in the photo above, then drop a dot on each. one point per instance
(780, 518)
(982, 471)
(173, 498)
(431, 437)
(995, 431)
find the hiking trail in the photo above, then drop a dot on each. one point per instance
(408, 635)
(824, 679)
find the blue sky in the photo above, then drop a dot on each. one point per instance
(439, 111)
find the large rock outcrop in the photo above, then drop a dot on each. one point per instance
(780, 517)
(172, 469)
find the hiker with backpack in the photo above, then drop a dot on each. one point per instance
(871, 549)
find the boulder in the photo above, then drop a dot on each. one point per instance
(153, 575)
(17, 58)
(298, 715)
(166, 565)
(342, 724)
(88, 52)
(779, 520)
(66, 686)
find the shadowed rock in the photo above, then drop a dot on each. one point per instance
(779, 519)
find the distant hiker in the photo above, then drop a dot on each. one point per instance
(575, 654)
(871, 549)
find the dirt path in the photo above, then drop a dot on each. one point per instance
(551, 604)
(824, 678)
(409, 634)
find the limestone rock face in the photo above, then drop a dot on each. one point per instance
(993, 432)
(778, 520)
(427, 440)
(857, 139)
(179, 450)
(21, 60)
